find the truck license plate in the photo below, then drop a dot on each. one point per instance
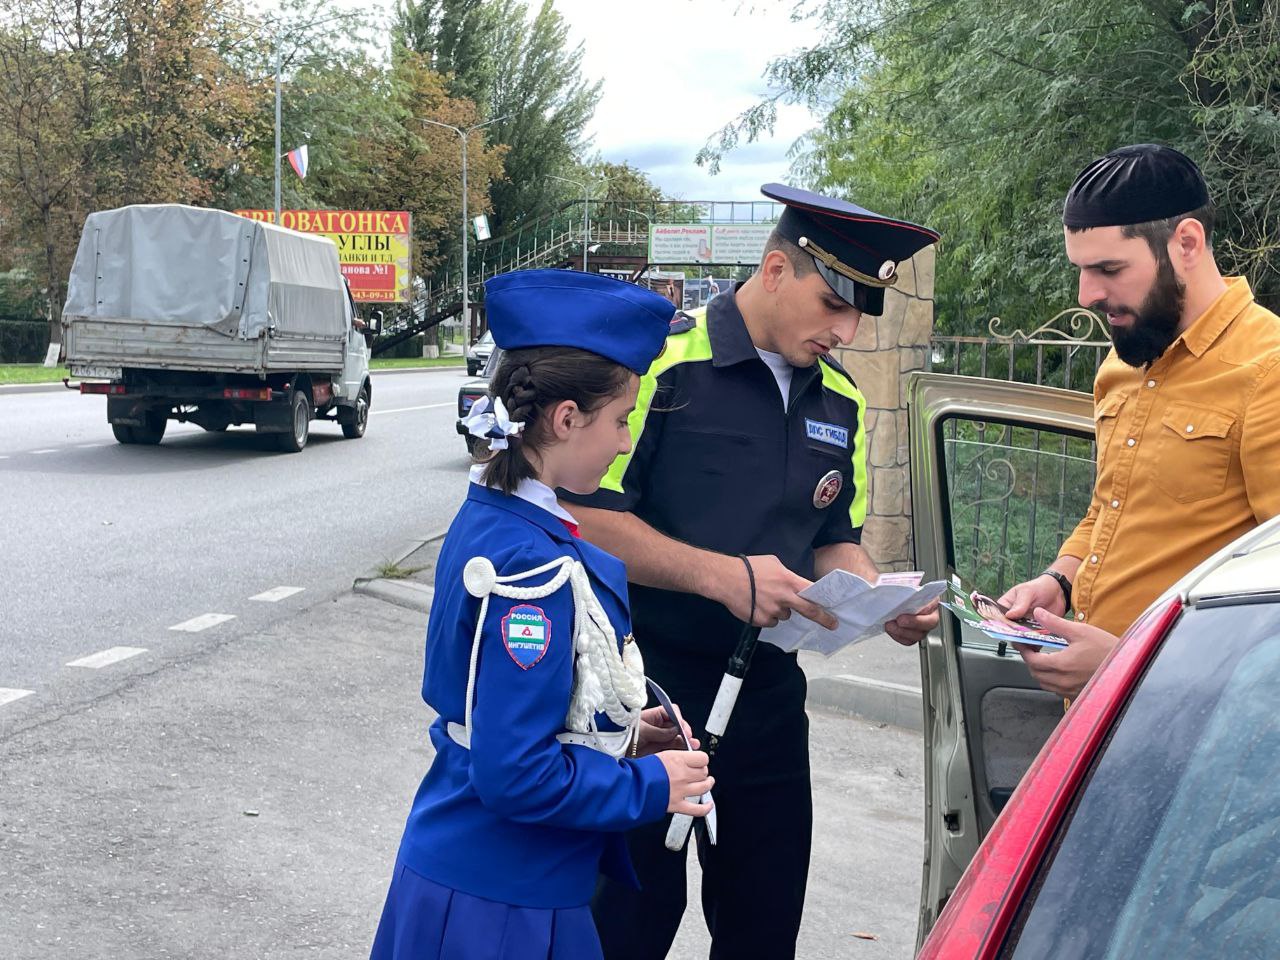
(87, 371)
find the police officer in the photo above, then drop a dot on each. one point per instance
(747, 479)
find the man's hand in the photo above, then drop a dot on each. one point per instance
(657, 732)
(910, 628)
(1042, 592)
(777, 592)
(1065, 672)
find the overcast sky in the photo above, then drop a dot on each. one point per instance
(674, 72)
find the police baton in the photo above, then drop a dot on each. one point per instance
(721, 710)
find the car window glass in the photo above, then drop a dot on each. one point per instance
(1014, 494)
(1172, 847)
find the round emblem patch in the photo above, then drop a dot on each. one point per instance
(828, 489)
(887, 269)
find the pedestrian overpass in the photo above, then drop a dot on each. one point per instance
(598, 235)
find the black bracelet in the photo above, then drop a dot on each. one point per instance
(1063, 583)
(751, 579)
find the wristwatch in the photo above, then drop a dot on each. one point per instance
(1063, 582)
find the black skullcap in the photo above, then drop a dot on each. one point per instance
(1135, 184)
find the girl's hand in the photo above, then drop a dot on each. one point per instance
(688, 777)
(658, 733)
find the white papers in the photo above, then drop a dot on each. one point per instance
(861, 609)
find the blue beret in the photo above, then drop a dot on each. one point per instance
(856, 251)
(620, 321)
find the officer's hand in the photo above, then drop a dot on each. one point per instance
(910, 628)
(777, 593)
(688, 777)
(1043, 591)
(657, 732)
(1065, 672)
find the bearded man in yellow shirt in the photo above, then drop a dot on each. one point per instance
(1187, 405)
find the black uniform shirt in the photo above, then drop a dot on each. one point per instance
(716, 462)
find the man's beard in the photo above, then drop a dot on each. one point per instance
(1155, 324)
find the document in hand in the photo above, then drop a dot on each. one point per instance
(861, 608)
(991, 617)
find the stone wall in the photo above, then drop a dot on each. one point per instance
(886, 350)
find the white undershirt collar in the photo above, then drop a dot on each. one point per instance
(531, 491)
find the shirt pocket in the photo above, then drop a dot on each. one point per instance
(1106, 417)
(1192, 452)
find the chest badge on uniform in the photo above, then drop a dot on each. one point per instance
(828, 489)
(526, 632)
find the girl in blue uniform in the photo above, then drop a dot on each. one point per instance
(544, 755)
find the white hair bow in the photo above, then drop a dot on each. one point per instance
(489, 420)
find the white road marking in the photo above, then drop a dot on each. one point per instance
(9, 694)
(4, 456)
(97, 661)
(276, 594)
(92, 446)
(35, 452)
(425, 406)
(203, 622)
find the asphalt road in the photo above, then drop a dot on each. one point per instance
(237, 789)
(246, 801)
(109, 546)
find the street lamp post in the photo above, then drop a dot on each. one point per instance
(586, 207)
(464, 135)
(586, 221)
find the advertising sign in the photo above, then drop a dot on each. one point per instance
(707, 243)
(679, 243)
(373, 247)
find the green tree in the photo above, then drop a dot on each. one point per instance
(974, 116)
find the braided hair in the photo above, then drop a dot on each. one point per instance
(531, 382)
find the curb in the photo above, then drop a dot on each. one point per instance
(402, 593)
(6, 388)
(876, 700)
(438, 368)
(33, 387)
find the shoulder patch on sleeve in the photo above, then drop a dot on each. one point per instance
(526, 633)
(681, 323)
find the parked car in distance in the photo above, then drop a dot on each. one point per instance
(478, 354)
(1143, 823)
(472, 391)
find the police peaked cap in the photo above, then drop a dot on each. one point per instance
(856, 251)
(617, 320)
(1135, 184)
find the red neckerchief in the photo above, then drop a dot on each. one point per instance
(571, 527)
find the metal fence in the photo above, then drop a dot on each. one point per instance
(1016, 493)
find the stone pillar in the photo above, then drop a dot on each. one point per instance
(886, 350)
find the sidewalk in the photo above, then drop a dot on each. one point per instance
(878, 679)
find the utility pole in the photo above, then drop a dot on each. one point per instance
(464, 135)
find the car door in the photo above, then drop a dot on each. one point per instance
(1001, 473)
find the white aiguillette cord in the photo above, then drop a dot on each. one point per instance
(604, 680)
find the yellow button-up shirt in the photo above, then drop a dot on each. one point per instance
(1188, 458)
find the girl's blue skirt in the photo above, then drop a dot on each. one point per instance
(423, 920)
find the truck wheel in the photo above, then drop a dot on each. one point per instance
(355, 420)
(152, 430)
(123, 432)
(300, 413)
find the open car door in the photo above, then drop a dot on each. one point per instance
(1000, 474)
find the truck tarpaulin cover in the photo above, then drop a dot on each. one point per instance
(189, 266)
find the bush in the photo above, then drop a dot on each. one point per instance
(23, 341)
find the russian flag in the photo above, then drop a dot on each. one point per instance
(298, 160)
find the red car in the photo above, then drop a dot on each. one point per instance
(1148, 826)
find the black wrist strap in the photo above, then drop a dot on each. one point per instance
(1063, 583)
(751, 579)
